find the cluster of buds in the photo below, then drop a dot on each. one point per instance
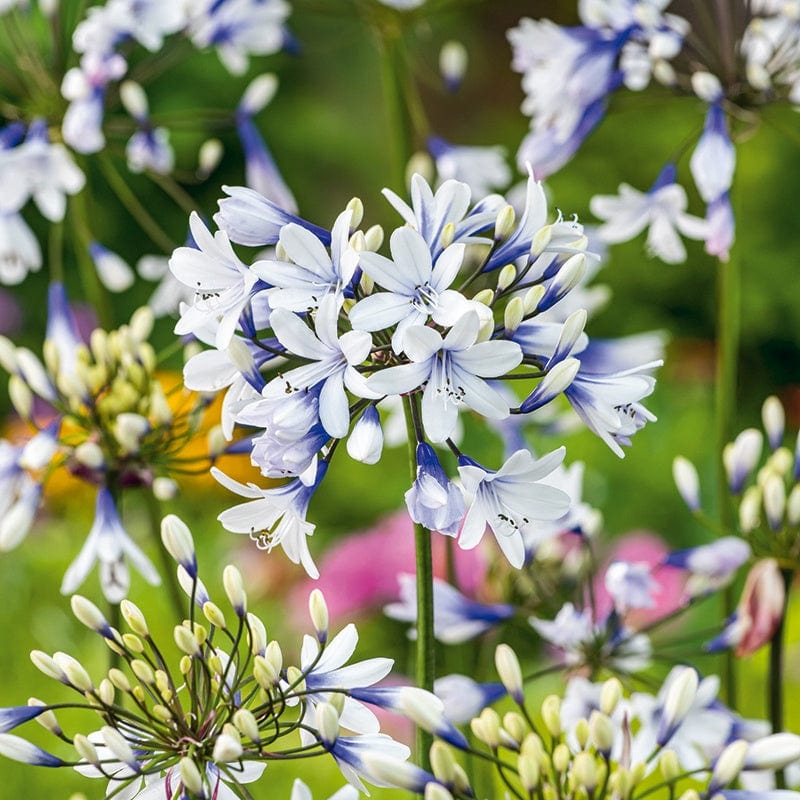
(218, 702)
(595, 742)
(766, 491)
(101, 412)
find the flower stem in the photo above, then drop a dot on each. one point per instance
(726, 380)
(775, 689)
(425, 656)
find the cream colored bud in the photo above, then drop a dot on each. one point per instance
(129, 430)
(246, 724)
(118, 745)
(8, 355)
(504, 224)
(20, 395)
(213, 613)
(143, 671)
(141, 325)
(690, 794)
(75, 672)
(443, 763)
(706, 86)
(357, 207)
(185, 665)
(669, 765)
(584, 770)
(664, 72)
(461, 783)
(190, 777)
(529, 772)
(119, 679)
(89, 454)
(601, 731)
(532, 298)
(256, 634)
(373, 238)
(582, 733)
(216, 442)
(610, 695)
(132, 642)
(265, 674)
(435, 791)
(516, 726)
(506, 276)
(750, 509)
(448, 235)
(47, 719)
(165, 489)
(561, 757)
(133, 99)
(178, 540)
(729, 764)
(88, 613)
(453, 60)
(540, 241)
(551, 714)
(420, 163)
(774, 491)
(105, 691)
(782, 461)
(186, 641)
(513, 316)
(134, 617)
(208, 157)
(485, 297)
(85, 749)
(51, 356)
(228, 746)
(234, 589)
(318, 610)
(327, 722)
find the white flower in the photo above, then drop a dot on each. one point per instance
(569, 631)
(310, 272)
(483, 169)
(222, 282)
(662, 210)
(275, 516)
(109, 543)
(331, 670)
(333, 360)
(19, 249)
(453, 368)
(301, 792)
(509, 500)
(416, 287)
(41, 170)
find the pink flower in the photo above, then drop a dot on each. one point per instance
(367, 563)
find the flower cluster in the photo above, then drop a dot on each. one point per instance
(629, 43)
(469, 297)
(101, 412)
(595, 742)
(99, 104)
(205, 714)
(766, 492)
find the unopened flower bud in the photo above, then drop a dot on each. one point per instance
(532, 299)
(706, 86)
(750, 509)
(669, 765)
(165, 489)
(119, 746)
(679, 699)
(143, 671)
(75, 672)
(90, 615)
(228, 746)
(515, 726)
(774, 501)
(132, 642)
(246, 724)
(687, 481)
(610, 695)
(318, 610)
(373, 238)
(453, 61)
(133, 99)
(420, 163)
(561, 757)
(256, 634)
(258, 94)
(601, 731)
(774, 420)
(504, 226)
(776, 751)
(506, 276)
(234, 589)
(85, 749)
(584, 770)
(508, 669)
(357, 207)
(178, 540)
(134, 617)
(327, 723)
(443, 763)
(186, 641)
(435, 791)
(484, 296)
(47, 719)
(208, 157)
(190, 777)
(513, 316)
(728, 766)
(89, 454)
(529, 772)
(551, 714)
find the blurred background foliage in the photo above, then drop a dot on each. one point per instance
(329, 132)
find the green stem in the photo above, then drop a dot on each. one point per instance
(728, 323)
(167, 564)
(775, 688)
(425, 655)
(134, 207)
(55, 252)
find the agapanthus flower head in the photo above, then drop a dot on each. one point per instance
(99, 410)
(330, 332)
(595, 739)
(206, 713)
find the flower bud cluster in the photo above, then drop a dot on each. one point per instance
(195, 710)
